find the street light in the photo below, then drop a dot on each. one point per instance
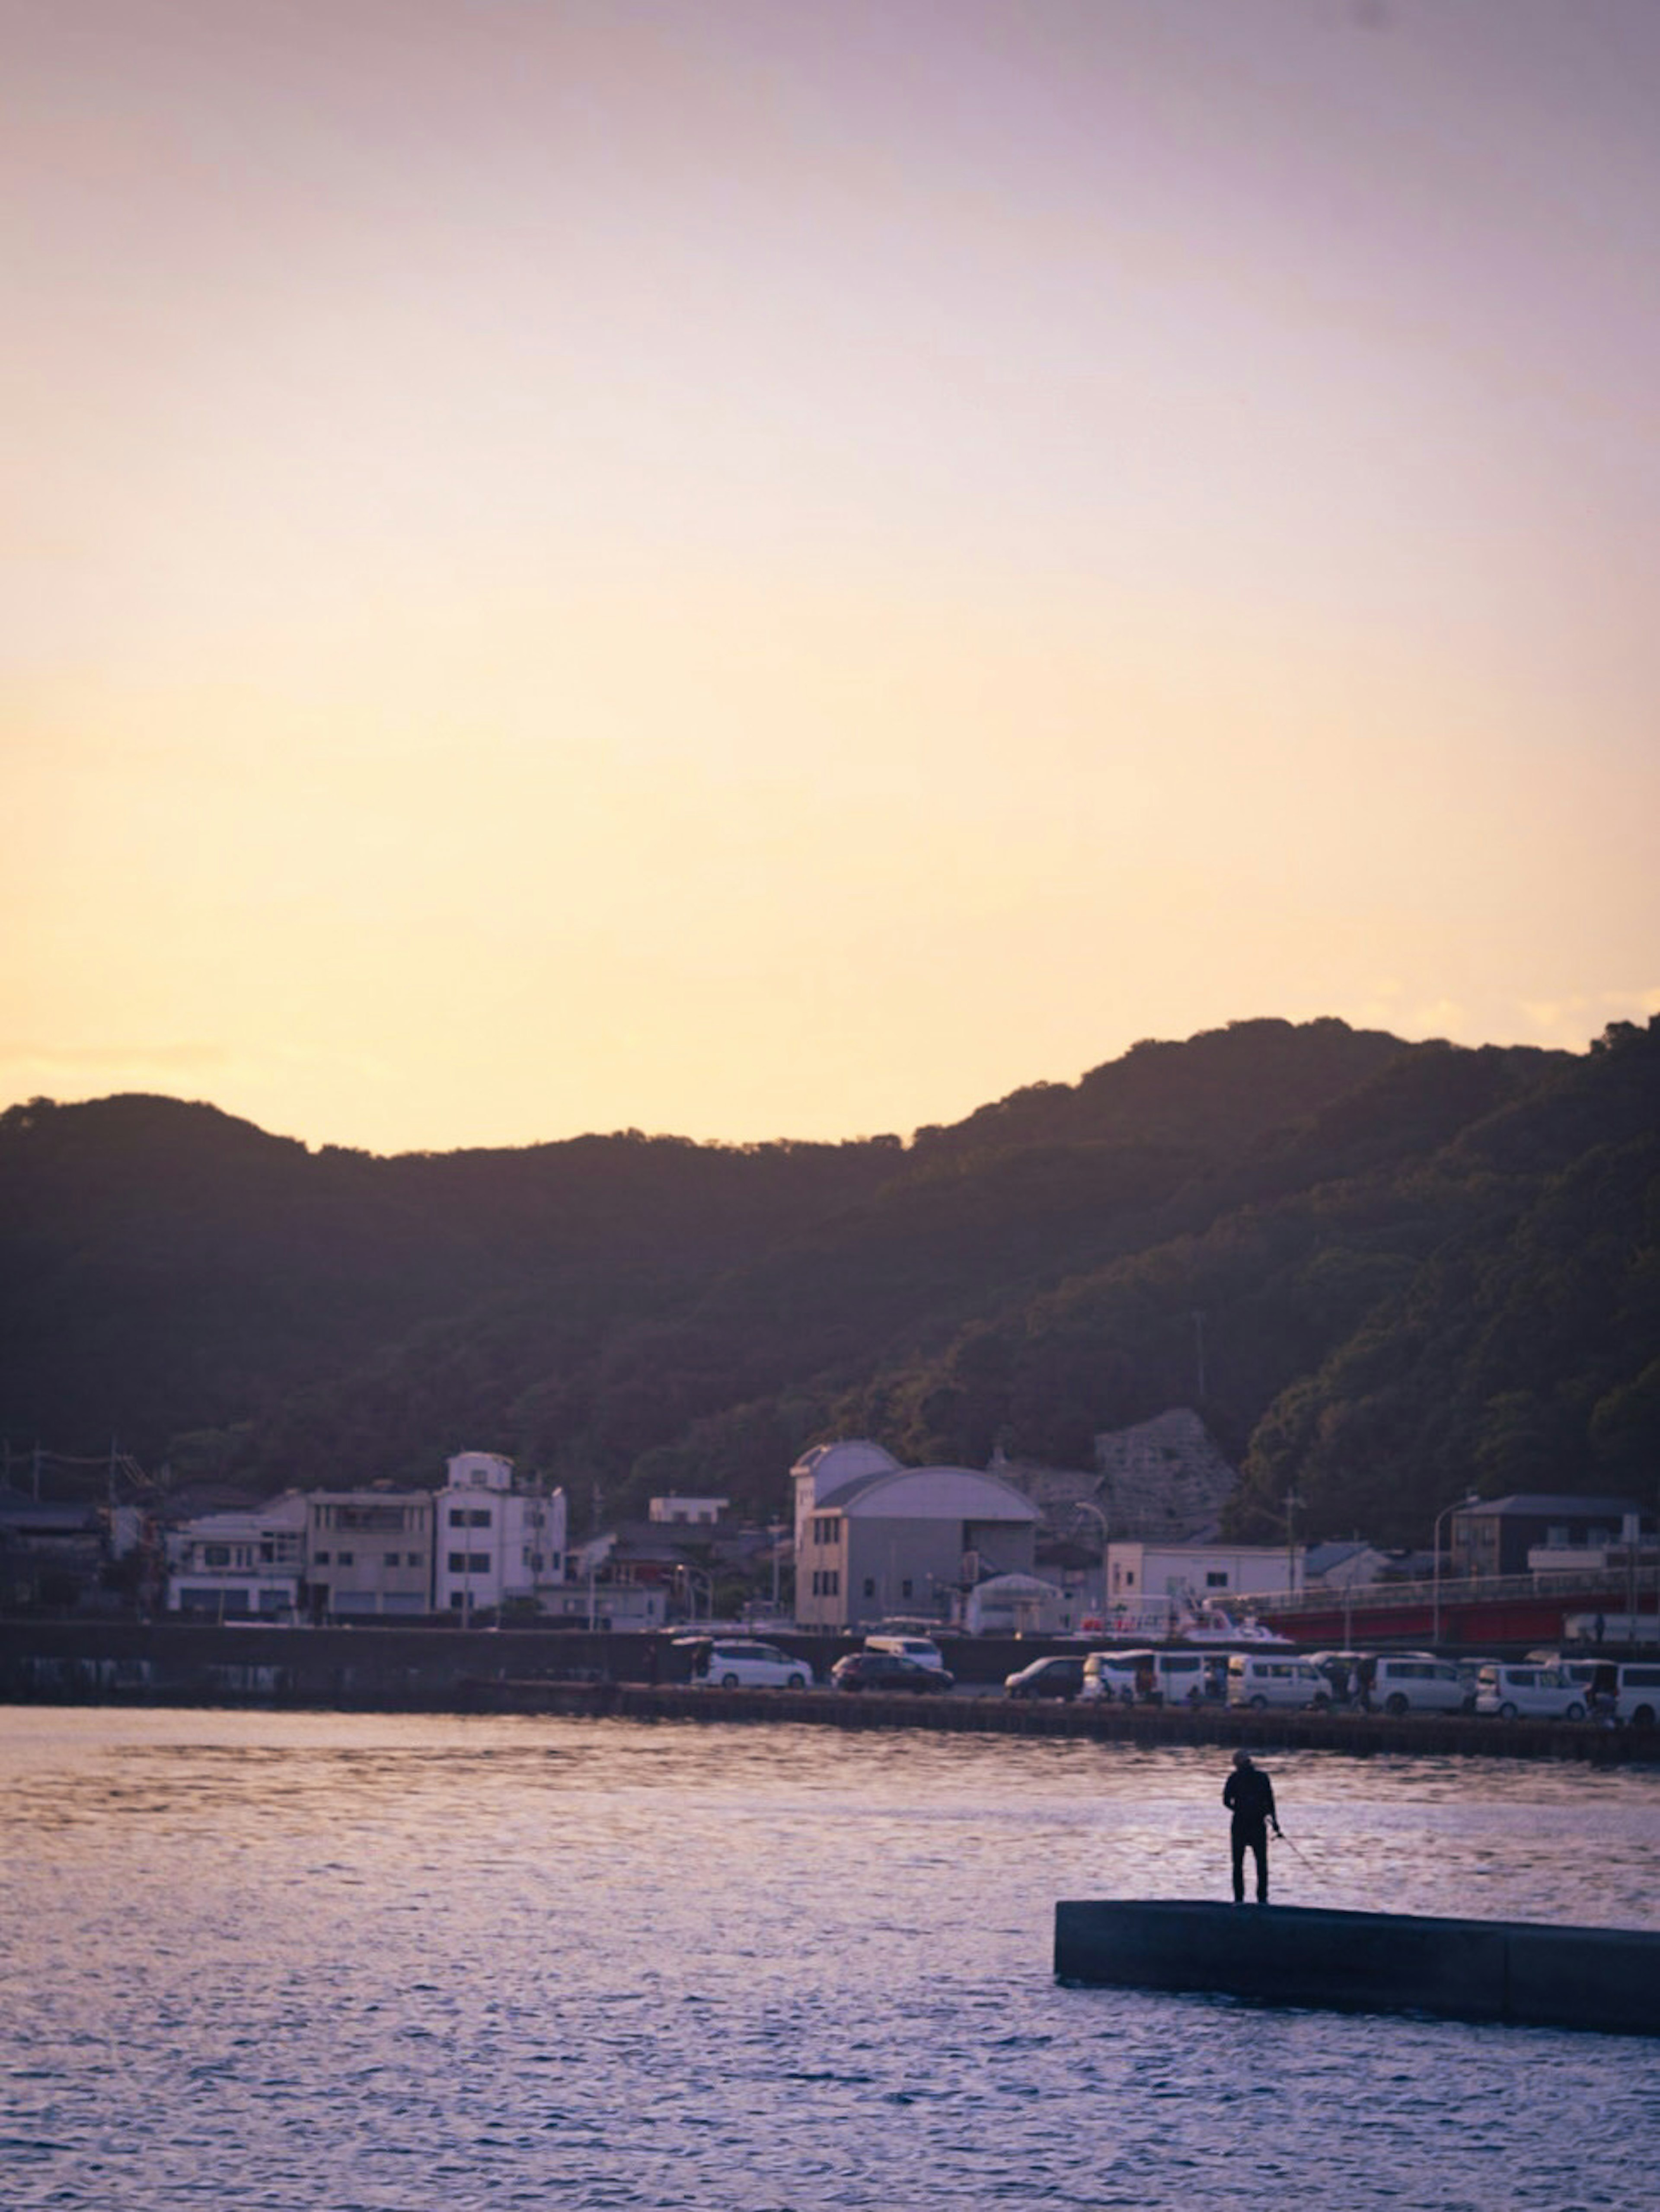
(1084, 1505)
(1469, 1497)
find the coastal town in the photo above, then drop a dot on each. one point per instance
(1118, 1588)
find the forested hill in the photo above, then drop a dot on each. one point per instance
(1381, 1272)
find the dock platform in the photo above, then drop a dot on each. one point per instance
(1515, 1972)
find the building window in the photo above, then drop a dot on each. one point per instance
(458, 1601)
(319, 1558)
(217, 1555)
(417, 1559)
(394, 1558)
(346, 1559)
(458, 1562)
(479, 1517)
(1217, 1578)
(904, 1587)
(823, 1528)
(870, 1586)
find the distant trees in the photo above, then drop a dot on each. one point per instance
(1418, 1267)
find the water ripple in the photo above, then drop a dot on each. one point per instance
(372, 1964)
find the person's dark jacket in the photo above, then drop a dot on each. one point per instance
(1249, 1796)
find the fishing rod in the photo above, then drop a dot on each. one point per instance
(1282, 1837)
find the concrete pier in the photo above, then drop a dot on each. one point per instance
(1472, 1969)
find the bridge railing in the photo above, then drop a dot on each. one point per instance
(1604, 1588)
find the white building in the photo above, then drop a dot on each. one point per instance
(695, 1511)
(1152, 1587)
(246, 1565)
(874, 1539)
(494, 1544)
(1021, 1605)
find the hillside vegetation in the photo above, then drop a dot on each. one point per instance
(1381, 1272)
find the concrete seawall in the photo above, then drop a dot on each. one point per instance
(1502, 1971)
(393, 1668)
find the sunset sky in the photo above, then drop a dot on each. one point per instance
(783, 568)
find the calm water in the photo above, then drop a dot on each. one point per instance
(310, 1961)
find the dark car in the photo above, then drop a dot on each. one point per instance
(1059, 1676)
(887, 1670)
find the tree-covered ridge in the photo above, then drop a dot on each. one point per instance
(1382, 1272)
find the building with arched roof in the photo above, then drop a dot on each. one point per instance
(874, 1539)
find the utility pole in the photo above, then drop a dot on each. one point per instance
(1293, 1501)
(1199, 1349)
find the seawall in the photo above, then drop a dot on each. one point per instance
(436, 1669)
(1512, 1972)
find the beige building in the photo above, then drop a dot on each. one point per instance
(368, 1551)
(874, 1540)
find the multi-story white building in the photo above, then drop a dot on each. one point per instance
(495, 1544)
(246, 1565)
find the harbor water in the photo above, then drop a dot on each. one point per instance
(321, 1963)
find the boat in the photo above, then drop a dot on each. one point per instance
(1212, 1623)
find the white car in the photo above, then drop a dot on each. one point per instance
(734, 1663)
(1534, 1692)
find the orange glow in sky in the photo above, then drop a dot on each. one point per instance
(765, 569)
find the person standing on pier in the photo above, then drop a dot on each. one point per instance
(1249, 1796)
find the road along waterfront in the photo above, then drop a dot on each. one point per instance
(318, 1962)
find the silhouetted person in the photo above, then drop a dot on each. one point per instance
(1249, 1796)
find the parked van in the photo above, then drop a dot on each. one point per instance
(1638, 1693)
(1170, 1678)
(1260, 1679)
(1546, 1693)
(1418, 1682)
(921, 1649)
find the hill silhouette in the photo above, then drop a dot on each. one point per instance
(1381, 1270)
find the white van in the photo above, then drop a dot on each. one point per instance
(1173, 1678)
(1638, 1694)
(1418, 1682)
(1260, 1679)
(1545, 1693)
(922, 1650)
